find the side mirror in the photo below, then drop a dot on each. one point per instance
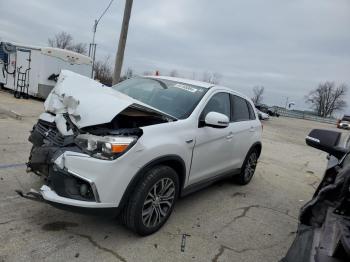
(216, 120)
(326, 141)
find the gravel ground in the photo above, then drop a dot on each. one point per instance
(224, 222)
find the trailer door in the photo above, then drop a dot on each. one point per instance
(23, 59)
(3, 63)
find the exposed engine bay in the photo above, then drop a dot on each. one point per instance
(127, 122)
(48, 143)
(47, 139)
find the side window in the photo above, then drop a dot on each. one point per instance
(220, 103)
(251, 111)
(240, 111)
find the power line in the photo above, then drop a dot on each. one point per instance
(92, 48)
(110, 3)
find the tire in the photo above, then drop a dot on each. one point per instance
(145, 212)
(248, 168)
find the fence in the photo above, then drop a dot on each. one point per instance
(307, 116)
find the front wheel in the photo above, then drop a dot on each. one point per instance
(248, 168)
(152, 201)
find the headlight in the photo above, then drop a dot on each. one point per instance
(105, 147)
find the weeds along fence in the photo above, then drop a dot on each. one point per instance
(305, 115)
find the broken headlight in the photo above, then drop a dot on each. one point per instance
(105, 147)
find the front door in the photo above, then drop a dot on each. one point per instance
(213, 151)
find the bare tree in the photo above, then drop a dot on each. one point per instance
(103, 71)
(258, 92)
(216, 78)
(212, 78)
(64, 40)
(129, 73)
(327, 98)
(61, 40)
(79, 48)
(206, 77)
(173, 73)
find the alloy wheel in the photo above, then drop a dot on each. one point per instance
(250, 166)
(158, 202)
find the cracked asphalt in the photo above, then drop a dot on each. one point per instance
(224, 222)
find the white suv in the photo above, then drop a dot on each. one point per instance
(136, 147)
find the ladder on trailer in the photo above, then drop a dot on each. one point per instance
(22, 83)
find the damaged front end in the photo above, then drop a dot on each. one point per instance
(99, 124)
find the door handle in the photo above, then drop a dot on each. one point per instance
(230, 135)
(252, 129)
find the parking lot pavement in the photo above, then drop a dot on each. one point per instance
(224, 222)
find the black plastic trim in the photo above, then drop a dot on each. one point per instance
(207, 182)
(105, 211)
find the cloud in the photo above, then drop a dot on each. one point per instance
(287, 46)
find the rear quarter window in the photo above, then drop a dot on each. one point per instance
(252, 115)
(240, 109)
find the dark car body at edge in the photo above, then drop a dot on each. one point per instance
(324, 223)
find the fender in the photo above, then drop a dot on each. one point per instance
(174, 161)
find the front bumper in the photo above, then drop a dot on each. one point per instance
(47, 195)
(105, 180)
(72, 177)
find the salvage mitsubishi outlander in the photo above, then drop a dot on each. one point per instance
(136, 147)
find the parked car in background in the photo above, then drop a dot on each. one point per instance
(262, 115)
(344, 123)
(134, 148)
(324, 222)
(271, 111)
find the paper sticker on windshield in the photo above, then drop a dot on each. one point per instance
(185, 87)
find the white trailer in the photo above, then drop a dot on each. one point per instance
(31, 70)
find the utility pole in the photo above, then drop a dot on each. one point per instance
(122, 41)
(92, 48)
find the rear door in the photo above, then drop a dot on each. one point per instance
(244, 127)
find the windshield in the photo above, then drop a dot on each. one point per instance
(174, 98)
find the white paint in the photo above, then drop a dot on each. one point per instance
(44, 61)
(211, 152)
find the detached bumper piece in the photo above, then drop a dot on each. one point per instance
(32, 195)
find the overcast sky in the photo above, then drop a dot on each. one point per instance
(287, 46)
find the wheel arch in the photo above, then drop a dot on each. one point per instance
(173, 161)
(257, 146)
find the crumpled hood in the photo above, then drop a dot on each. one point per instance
(86, 101)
